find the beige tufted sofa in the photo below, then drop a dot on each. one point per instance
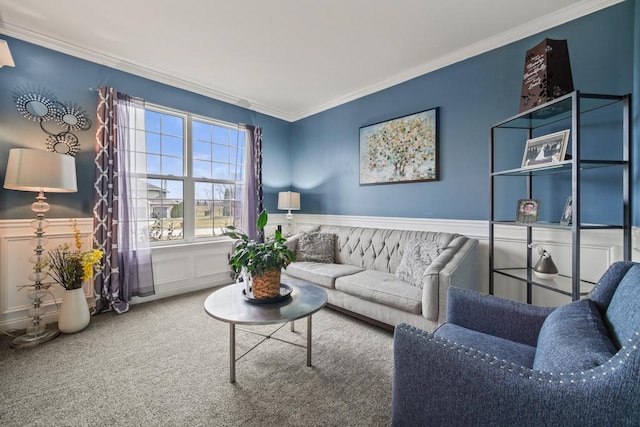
(362, 280)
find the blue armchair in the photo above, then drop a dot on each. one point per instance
(501, 363)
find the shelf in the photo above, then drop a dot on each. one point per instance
(561, 167)
(565, 111)
(561, 284)
(557, 110)
(557, 226)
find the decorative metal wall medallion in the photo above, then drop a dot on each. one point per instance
(41, 105)
(37, 107)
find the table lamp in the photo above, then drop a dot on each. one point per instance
(39, 171)
(289, 201)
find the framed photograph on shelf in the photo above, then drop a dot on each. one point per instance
(567, 212)
(404, 149)
(545, 150)
(527, 210)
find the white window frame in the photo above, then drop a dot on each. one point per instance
(188, 181)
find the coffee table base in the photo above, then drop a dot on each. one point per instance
(232, 344)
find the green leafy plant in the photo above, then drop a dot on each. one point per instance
(257, 257)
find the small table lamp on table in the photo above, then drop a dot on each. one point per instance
(39, 171)
(289, 201)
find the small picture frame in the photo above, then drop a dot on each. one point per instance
(545, 150)
(527, 210)
(567, 212)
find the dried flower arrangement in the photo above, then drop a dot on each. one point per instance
(70, 268)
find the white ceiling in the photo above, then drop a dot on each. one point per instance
(285, 58)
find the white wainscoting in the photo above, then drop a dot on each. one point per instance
(599, 248)
(177, 268)
(15, 268)
(181, 268)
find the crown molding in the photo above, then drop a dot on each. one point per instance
(138, 69)
(533, 27)
(562, 16)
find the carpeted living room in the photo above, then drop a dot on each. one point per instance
(319, 213)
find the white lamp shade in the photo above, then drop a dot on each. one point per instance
(5, 55)
(39, 170)
(289, 200)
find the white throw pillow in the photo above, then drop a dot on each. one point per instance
(416, 257)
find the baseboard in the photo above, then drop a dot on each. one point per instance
(361, 317)
(222, 279)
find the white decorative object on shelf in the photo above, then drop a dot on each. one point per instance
(545, 267)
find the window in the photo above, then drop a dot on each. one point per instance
(218, 175)
(195, 174)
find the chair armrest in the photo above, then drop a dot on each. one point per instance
(437, 382)
(495, 316)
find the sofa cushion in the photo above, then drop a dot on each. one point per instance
(382, 288)
(573, 338)
(417, 256)
(316, 247)
(320, 273)
(501, 348)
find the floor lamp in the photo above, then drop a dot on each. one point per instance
(39, 171)
(289, 201)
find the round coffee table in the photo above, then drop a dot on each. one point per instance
(228, 305)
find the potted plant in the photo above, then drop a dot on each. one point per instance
(261, 262)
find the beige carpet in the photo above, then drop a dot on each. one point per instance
(165, 363)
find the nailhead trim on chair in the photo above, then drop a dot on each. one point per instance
(623, 354)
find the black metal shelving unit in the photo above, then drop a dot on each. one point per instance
(568, 107)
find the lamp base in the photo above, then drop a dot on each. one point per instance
(27, 340)
(289, 217)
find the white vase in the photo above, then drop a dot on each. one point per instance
(74, 313)
(545, 268)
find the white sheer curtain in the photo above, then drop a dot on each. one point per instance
(136, 273)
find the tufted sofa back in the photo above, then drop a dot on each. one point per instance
(375, 248)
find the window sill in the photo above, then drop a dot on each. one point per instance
(171, 245)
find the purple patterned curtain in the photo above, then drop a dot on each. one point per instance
(127, 269)
(254, 182)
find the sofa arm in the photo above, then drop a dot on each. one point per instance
(455, 266)
(495, 316)
(437, 382)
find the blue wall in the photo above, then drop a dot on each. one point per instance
(319, 155)
(472, 95)
(72, 79)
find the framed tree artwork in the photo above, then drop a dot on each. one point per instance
(404, 149)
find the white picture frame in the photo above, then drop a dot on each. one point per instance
(545, 150)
